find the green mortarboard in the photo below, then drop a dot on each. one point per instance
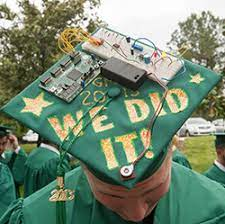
(220, 139)
(4, 130)
(105, 126)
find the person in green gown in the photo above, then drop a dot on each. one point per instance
(41, 166)
(217, 171)
(178, 156)
(171, 195)
(122, 140)
(13, 155)
(7, 188)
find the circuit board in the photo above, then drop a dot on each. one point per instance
(119, 58)
(71, 76)
(133, 52)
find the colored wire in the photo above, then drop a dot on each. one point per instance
(143, 38)
(162, 58)
(180, 73)
(114, 48)
(153, 118)
(120, 53)
(71, 36)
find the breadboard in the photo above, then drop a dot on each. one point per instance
(163, 69)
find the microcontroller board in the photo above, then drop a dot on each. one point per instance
(67, 79)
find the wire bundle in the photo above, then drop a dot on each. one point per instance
(72, 36)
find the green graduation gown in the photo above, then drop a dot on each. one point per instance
(191, 199)
(180, 158)
(7, 188)
(16, 163)
(41, 168)
(216, 174)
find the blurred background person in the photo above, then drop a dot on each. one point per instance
(217, 171)
(7, 188)
(41, 166)
(12, 155)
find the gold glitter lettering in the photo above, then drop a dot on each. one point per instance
(137, 110)
(85, 101)
(108, 151)
(98, 93)
(62, 130)
(177, 105)
(97, 122)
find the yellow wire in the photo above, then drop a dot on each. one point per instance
(70, 36)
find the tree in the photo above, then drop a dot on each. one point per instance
(202, 34)
(28, 45)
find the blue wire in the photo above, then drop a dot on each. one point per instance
(143, 38)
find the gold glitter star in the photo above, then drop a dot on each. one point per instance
(35, 105)
(196, 78)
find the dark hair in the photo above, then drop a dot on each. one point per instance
(43, 140)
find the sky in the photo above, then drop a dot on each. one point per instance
(155, 20)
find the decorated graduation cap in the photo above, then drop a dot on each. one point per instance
(220, 139)
(4, 131)
(114, 103)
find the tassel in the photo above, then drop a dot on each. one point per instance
(60, 195)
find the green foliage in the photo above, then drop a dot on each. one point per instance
(200, 152)
(28, 45)
(28, 147)
(202, 34)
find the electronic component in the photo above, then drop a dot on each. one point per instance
(164, 70)
(65, 63)
(56, 72)
(44, 81)
(147, 58)
(128, 39)
(116, 45)
(75, 57)
(74, 75)
(137, 47)
(67, 83)
(141, 57)
(123, 73)
(82, 83)
(132, 51)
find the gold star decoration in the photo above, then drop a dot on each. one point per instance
(196, 78)
(35, 105)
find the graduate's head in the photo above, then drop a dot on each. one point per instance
(45, 141)
(136, 203)
(4, 133)
(220, 147)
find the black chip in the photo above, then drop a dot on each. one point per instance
(65, 63)
(123, 73)
(44, 81)
(76, 57)
(74, 75)
(56, 71)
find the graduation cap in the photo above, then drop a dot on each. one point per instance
(4, 131)
(220, 140)
(106, 126)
